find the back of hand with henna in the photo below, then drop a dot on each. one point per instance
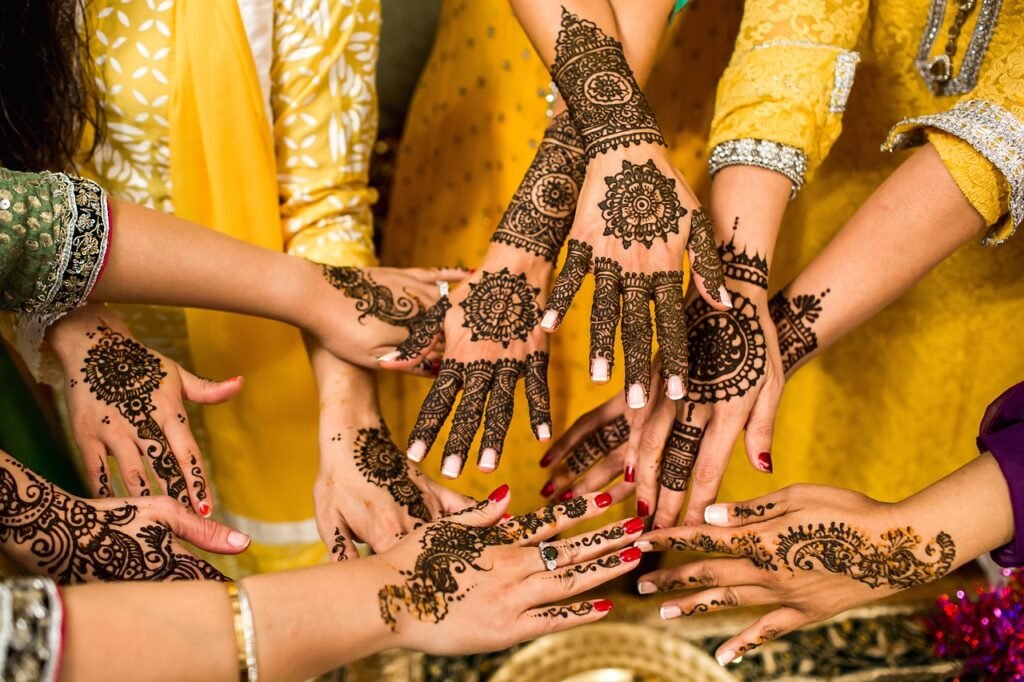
(629, 230)
(491, 326)
(74, 540)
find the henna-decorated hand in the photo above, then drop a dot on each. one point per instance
(361, 314)
(74, 540)
(126, 401)
(630, 228)
(812, 550)
(473, 583)
(491, 327)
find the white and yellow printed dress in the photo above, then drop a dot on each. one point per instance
(256, 118)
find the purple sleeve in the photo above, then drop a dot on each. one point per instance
(1002, 434)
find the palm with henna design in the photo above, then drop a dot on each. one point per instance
(126, 401)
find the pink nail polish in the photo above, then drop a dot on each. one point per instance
(548, 488)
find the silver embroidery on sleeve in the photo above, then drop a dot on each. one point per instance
(967, 77)
(782, 158)
(846, 67)
(993, 131)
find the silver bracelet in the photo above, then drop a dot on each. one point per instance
(31, 629)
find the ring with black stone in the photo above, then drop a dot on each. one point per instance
(549, 555)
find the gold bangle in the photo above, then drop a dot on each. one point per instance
(245, 632)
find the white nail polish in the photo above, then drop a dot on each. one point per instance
(599, 370)
(643, 545)
(716, 515)
(726, 657)
(549, 320)
(543, 432)
(452, 466)
(674, 388)
(646, 588)
(388, 357)
(635, 397)
(726, 296)
(237, 539)
(488, 460)
(417, 451)
(670, 612)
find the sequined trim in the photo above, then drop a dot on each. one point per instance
(30, 635)
(967, 77)
(993, 131)
(782, 158)
(845, 68)
(82, 235)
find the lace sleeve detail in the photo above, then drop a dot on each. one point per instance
(996, 134)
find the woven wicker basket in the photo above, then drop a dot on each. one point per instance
(611, 652)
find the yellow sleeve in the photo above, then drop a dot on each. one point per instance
(324, 105)
(981, 138)
(781, 99)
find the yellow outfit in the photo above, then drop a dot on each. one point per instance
(256, 118)
(472, 129)
(887, 410)
(896, 404)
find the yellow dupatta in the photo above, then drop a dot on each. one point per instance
(223, 172)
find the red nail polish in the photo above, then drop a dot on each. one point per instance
(567, 495)
(548, 488)
(545, 460)
(765, 460)
(603, 500)
(603, 605)
(633, 526)
(435, 366)
(505, 517)
(641, 508)
(499, 493)
(472, 270)
(630, 475)
(204, 508)
(630, 554)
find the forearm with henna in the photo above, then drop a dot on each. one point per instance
(915, 220)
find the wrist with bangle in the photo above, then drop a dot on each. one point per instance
(245, 632)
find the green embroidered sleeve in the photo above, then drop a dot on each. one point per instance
(53, 240)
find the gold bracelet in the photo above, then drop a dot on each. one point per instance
(245, 632)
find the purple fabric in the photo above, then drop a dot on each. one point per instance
(1002, 433)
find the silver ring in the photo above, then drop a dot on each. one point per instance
(549, 555)
(442, 288)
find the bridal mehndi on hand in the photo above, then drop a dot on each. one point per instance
(871, 250)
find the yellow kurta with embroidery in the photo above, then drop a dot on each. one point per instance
(887, 410)
(472, 130)
(315, 69)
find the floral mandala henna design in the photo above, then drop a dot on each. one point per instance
(541, 211)
(449, 551)
(794, 320)
(840, 549)
(705, 261)
(760, 510)
(728, 354)
(372, 298)
(601, 93)
(381, 463)
(74, 541)
(680, 455)
(501, 307)
(641, 205)
(598, 444)
(123, 373)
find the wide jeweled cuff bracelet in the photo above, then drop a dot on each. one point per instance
(31, 629)
(781, 158)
